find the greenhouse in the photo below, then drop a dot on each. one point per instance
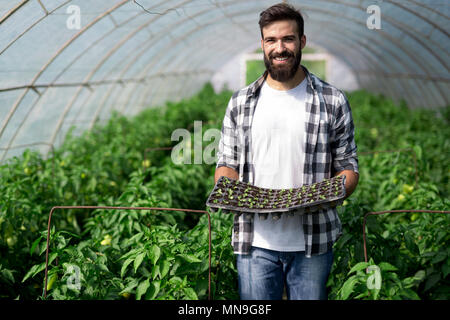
(111, 114)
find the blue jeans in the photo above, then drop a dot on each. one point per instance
(263, 273)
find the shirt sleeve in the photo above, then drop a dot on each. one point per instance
(343, 148)
(228, 150)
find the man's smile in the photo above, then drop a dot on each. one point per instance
(281, 59)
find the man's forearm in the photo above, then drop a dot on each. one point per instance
(351, 181)
(227, 172)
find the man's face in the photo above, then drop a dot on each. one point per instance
(282, 49)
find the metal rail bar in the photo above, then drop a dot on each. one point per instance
(125, 208)
(442, 78)
(245, 12)
(175, 64)
(31, 145)
(43, 7)
(430, 22)
(11, 12)
(373, 62)
(416, 35)
(315, 9)
(382, 34)
(94, 83)
(55, 55)
(31, 26)
(162, 52)
(132, 18)
(92, 73)
(104, 14)
(438, 12)
(404, 50)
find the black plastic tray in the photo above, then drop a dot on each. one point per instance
(240, 197)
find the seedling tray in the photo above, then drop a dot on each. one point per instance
(240, 197)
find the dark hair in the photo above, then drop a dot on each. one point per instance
(281, 11)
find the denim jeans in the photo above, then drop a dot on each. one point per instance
(263, 273)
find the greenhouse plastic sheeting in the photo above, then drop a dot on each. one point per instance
(71, 63)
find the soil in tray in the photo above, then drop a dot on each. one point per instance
(234, 194)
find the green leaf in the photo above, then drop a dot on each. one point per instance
(409, 294)
(420, 275)
(135, 238)
(142, 289)
(40, 267)
(91, 254)
(343, 240)
(35, 244)
(445, 270)
(164, 268)
(348, 286)
(154, 253)
(7, 274)
(131, 285)
(155, 271)
(359, 266)
(190, 294)
(384, 266)
(375, 293)
(411, 245)
(125, 265)
(440, 256)
(362, 295)
(30, 272)
(131, 253)
(154, 290)
(201, 288)
(432, 280)
(176, 280)
(137, 262)
(189, 258)
(102, 267)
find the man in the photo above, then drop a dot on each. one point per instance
(287, 129)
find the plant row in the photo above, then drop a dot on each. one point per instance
(118, 254)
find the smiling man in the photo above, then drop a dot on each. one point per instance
(287, 129)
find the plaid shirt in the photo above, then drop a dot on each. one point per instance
(329, 148)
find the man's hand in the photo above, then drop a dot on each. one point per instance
(351, 181)
(227, 172)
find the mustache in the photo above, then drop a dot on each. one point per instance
(285, 54)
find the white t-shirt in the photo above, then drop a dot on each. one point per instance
(277, 131)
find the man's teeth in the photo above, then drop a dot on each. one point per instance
(281, 59)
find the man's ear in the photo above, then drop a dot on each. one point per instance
(303, 41)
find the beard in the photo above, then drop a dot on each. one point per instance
(283, 73)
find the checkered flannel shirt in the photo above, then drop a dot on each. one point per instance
(329, 148)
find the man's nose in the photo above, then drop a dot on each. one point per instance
(279, 46)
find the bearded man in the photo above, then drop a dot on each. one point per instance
(287, 129)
